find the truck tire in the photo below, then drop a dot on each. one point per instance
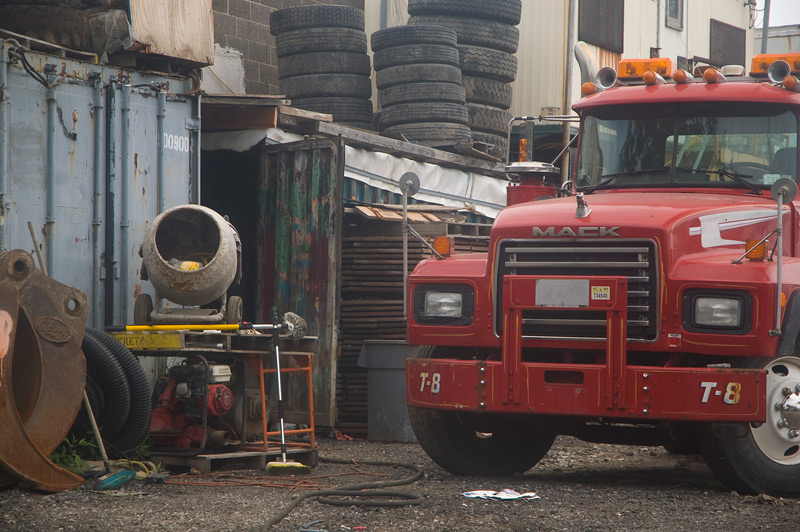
(487, 63)
(301, 17)
(477, 32)
(429, 92)
(487, 92)
(321, 85)
(488, 119)
(342, 109)
(760, 458)
(412, 54)
(432, 133)
(323, 63)
(466, 443)
(417, 73)
(414, 113)
(419, 34)
(508, 11)
(320, 40)
(498, 145)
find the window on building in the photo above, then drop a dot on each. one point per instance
(675, 14)
(601, 22)
(727, 44)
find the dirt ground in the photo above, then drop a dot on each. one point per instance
(583, 487)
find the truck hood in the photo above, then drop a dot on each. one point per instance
(681, 223)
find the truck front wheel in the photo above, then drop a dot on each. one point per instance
(761, 457)
(468, 443)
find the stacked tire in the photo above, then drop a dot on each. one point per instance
(419, 82)
(487, 41)
(323, 64)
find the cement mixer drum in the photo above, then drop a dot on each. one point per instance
(191, 255)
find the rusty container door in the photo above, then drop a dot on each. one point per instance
(299, 242)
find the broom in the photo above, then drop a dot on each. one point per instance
(284, 467)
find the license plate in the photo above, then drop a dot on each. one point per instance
(145, 341)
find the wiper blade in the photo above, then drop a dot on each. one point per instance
(609, 178)
(742, 179)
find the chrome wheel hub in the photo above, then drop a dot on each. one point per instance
(779, 437)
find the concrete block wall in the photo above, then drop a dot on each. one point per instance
(243, 25)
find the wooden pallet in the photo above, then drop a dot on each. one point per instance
(205, 463)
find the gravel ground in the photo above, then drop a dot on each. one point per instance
(582, 486)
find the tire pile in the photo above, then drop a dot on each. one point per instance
(419, 82)
(323, 64)
(487, 40)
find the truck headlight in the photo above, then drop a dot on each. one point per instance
(443, 304)
(439, 304)
(718, 312)
(712, 311)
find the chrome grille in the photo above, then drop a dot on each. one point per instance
(634, 259)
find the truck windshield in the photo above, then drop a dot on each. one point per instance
(687, 145)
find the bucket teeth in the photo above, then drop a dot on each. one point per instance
(41, 327)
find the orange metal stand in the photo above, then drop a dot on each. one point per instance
(302, 363)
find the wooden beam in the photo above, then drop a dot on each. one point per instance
(219, 118)
(375, 142)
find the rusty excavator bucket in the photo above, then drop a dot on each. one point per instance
(42, 372)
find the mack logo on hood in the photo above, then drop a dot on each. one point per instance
(579, 232)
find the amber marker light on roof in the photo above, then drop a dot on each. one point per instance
(523, 150)
(756, 251)
(761, 62)
(651, 78)
(712, 75)
(636, 68)
(588, 88)
(443, 245)
(791, 83)
(681, 76)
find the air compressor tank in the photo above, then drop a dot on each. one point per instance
(191, 255)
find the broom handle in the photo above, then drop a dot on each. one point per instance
(280, 392)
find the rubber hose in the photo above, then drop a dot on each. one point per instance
(354, 490)
(110, 378)
(137, 426)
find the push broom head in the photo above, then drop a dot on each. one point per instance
(287, 469)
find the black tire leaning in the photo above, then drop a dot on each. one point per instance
(110, 378)
(487, 63)
(415, 113)
(300, 17)
(402, 74)
(342, 109)
(419, 34)
(323, 63)
(487, 92)
(429, 92)
(508, 11)
(137, 425)
(488, 119)
(475, 31)
(431, 134)
(322, 85)
(411, 54)
(320, 40)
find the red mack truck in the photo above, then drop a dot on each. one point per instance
(656, 301)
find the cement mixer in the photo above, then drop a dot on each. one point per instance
(191, 255)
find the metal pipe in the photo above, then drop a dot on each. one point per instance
(765, 27)
(111, 178)
(3, 144)
(50, 183)
(97, 214)
(195, 146)
(779, 273)
(160, 120)
(405, 252)
(124, 195)
(658, 27)
(384, 14)
(568, 86)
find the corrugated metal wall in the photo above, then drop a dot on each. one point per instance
(80, 161)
